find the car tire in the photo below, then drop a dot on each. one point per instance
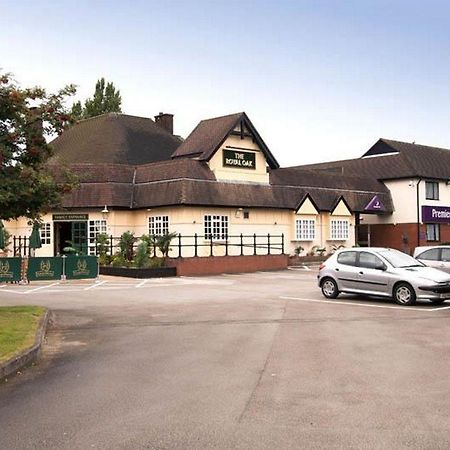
(404, 294)
(329, 288)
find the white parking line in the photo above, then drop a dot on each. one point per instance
(339, 302)
(92, 286)
(141, 283)
(40, 288)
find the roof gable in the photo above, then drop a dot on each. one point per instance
(208, 136)
(341, 208)
(307, 206)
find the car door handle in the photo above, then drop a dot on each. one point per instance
(361, 273)
(337, 270)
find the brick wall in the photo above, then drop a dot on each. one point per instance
(227, 264)
(403, 236)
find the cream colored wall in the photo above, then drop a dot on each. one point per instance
(323, 228)
(403, 193)
(258, 175)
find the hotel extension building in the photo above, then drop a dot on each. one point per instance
(223, 180)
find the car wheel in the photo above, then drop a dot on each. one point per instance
(404, 294)
(329, 288)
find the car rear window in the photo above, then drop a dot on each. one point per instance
(445, 256)
(347, 258)
(429, 255)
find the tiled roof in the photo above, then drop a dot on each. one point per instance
(209, 135)
(388, 159)
(114, 138)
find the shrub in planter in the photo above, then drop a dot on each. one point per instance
(142, 259)
(126, 245)
(120, 261)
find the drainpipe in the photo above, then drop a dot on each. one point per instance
(418, 211)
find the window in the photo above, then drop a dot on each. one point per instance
(339, 230)
(305, 229)
(432, 232)
(216, 227)
(246, 214)
(95, 228)
(369, 261)
(158, 225)
(445, 256)
(429, 255)
(432, 190)
(347, 258)
(45, 233)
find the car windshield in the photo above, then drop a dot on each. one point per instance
(399, 259)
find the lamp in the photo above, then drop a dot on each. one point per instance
(105, 212)
(239, 212)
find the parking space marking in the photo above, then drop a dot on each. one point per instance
(340, 302)
(40, 288)
(141, 283)
(94, 285)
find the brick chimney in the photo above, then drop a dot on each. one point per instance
(165, 121)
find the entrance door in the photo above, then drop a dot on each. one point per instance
(79, 237)
(70, 234)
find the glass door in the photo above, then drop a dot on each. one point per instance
(79, 237)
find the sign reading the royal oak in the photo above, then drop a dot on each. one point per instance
(70, 217)
(236, 158)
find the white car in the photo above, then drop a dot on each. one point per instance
(437, 256)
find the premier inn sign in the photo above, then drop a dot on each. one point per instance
(234, 158)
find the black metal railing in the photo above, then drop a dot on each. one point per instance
(184, 245)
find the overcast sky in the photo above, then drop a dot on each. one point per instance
(320, 80)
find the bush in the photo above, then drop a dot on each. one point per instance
(126, 245)
(142, 258)
(120, 261)
(102, 244)
(298, 250)
(156, 263)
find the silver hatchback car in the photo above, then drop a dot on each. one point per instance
(382, 272)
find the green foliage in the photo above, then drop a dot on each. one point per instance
(105, 99)
(163, 242)
(150, 241)
(7, 235)
(126, 245)
(102, 244)
(28, 187)
(298, 250)
(142, 258)
(120, 261)
(156, 263)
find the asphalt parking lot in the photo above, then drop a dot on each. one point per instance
(234, 361)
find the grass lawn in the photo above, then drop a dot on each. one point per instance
(18, 326)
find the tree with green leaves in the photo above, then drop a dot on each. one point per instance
(28, 117)
(106, 99)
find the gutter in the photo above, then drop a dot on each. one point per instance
(418, 212)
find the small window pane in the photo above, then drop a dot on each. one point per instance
(347, 258)
(432, 190)
(432, 232)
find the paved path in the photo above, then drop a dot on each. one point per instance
(236, 361)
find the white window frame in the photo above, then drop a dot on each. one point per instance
(216, 227)
(158, 225)
(339, 229)
(433, 232)
(46, 233)
(95, 227)
(305, 229)
(432, 190)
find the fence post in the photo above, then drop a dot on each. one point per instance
(282, 243)
(226, 245)
(195, 245)
(254, 243)
(242, 246)
(111, 244)
(154, 247)
(268, 243)
(211, 244)
(63, 276)
(14, 246)
(179, 245)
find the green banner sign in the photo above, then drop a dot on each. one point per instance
(10, 269)
(44, 268)
(78, 267)
(70, 217)
(237, 158)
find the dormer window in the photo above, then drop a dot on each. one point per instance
(432, 190)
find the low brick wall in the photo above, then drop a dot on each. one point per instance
(227, 264)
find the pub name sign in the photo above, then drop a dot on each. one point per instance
(236, 158)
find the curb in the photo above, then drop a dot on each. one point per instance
(30, 355)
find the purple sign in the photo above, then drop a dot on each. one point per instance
(375, 205)
(436, 214)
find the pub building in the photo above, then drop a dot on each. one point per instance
(222, 180)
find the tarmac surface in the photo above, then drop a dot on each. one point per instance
(251, 361)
